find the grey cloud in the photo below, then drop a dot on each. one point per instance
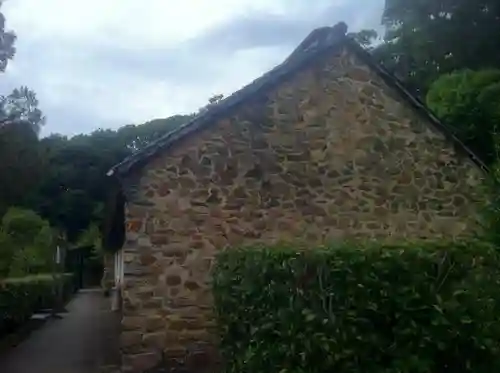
(71, 120)
(196, 60)
(192, 64)
(264, 29)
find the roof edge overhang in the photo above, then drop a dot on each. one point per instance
(319, 42)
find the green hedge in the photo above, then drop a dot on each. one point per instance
(21, 297)
(421, 307)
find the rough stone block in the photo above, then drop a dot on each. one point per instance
(130, 338)
(132, 322)
(154, 341)
(155, 323)
(140, 362)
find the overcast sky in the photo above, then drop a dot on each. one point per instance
(106, 63)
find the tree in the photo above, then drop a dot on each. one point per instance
(469, 102)
(6, 253)
(427, 38)
(26, 242)
(21, 105)
(215, 99)
(92, 237)
(21, 165)
(7, 40)
(20, 121)
(365, 38)
(212, 101)
(135, 137)
(74, 185)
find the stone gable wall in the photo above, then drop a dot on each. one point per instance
(329, 155)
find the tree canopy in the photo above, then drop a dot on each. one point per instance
(428, 38)
(25, 243)
(74, 188)
(469, 102)
(21, 105)
(7, 40)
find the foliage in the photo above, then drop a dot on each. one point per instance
(21, 297)
(212, 101)
(427, 38)
(490, 214)
(469, 102)
(6, 253)
(136, 137)
(7, 39)
(21, 166)
(26, 243)
(418, 307)
(20, 121)
(21, 105)
(74, 187)
(364, 37)
(92, 237)
(22, 225)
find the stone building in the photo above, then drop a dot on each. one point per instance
(325, 146)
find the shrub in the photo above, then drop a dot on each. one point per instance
(26, 243)
(21, 297)
(469, 102)
(420, 307)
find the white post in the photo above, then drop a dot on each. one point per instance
(58, 255)
(57, 285)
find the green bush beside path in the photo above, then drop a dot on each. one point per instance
(428, 307)
(21, 297)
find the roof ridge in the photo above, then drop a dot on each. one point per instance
(318, 40)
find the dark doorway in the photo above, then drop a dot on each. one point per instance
(86, 266)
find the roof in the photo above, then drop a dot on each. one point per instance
(320, 41)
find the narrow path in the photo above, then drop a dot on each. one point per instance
(78, 343)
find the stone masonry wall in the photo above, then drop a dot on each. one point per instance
(329, 155)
